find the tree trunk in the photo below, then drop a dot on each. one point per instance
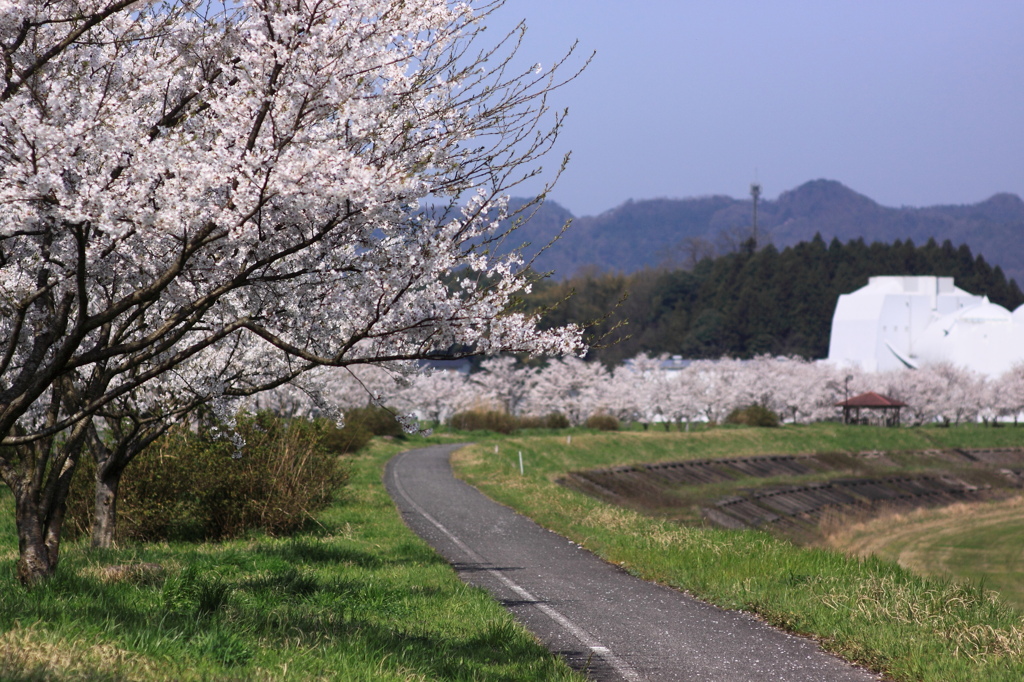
(38, 538)
(110, 465)
(105, 511)
(40, 498)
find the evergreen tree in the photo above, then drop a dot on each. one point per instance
(748, 303)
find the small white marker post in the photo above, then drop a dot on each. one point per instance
(495, 449)
(520, 462)
(568, 440)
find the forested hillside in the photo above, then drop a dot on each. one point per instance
(748, 303)
(679, 232)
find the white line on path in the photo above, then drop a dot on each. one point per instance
(587, 639)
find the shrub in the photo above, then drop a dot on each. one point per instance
(555, 420)
(361, 424)
(194, 486)
(532, 422)
(602, 422)
(484, 420)
(379, 421)
(753, 415)
(353, 436)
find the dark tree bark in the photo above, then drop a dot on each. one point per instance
(129, 436)
(40, 504)
(104, 525)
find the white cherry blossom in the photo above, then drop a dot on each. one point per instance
(174, 174)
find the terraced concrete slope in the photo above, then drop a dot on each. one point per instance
(600, 619)
(791, 493)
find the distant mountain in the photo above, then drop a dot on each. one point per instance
(677, 232)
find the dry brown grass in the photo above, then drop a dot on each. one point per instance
(612, 518)
(136, 573)
(30, 651)
(899, 528)
(942, 609)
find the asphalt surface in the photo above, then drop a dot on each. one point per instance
(599, 618)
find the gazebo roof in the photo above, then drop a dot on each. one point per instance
(870, 399)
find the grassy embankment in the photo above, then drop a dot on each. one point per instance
(983, 543)
(358, 598)
(868, 610)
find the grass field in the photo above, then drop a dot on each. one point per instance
(869, 610)
(357, 598)
(982, 542)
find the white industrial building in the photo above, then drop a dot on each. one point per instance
(897, 322)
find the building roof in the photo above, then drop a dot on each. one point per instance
(870, 399)
(896, 322)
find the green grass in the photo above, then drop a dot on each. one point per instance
(359, 597)
(868, 610)
(981, 542)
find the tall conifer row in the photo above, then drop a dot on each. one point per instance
(743, 304)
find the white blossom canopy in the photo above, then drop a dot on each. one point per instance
(174, 175)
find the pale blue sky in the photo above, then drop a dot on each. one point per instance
(911, 103)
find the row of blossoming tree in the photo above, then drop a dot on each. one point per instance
(649, 390)
(204, 200)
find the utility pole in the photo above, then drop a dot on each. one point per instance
(755, 194)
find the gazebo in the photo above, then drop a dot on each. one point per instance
(889, 408)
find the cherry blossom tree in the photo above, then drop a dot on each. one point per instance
(684, 401)
(964, 394)
(797, 389)
(923, 390)
(800, 391)
(824, 386)
(435, 395)
(330, 392)
(570, 386)
(938, 392)
(1008, 393)
(174, 175)
(757, 381)
(716, 387)
(504, 382)
(989, 407)
(641, 390)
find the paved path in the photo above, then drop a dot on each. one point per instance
(598, 617)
